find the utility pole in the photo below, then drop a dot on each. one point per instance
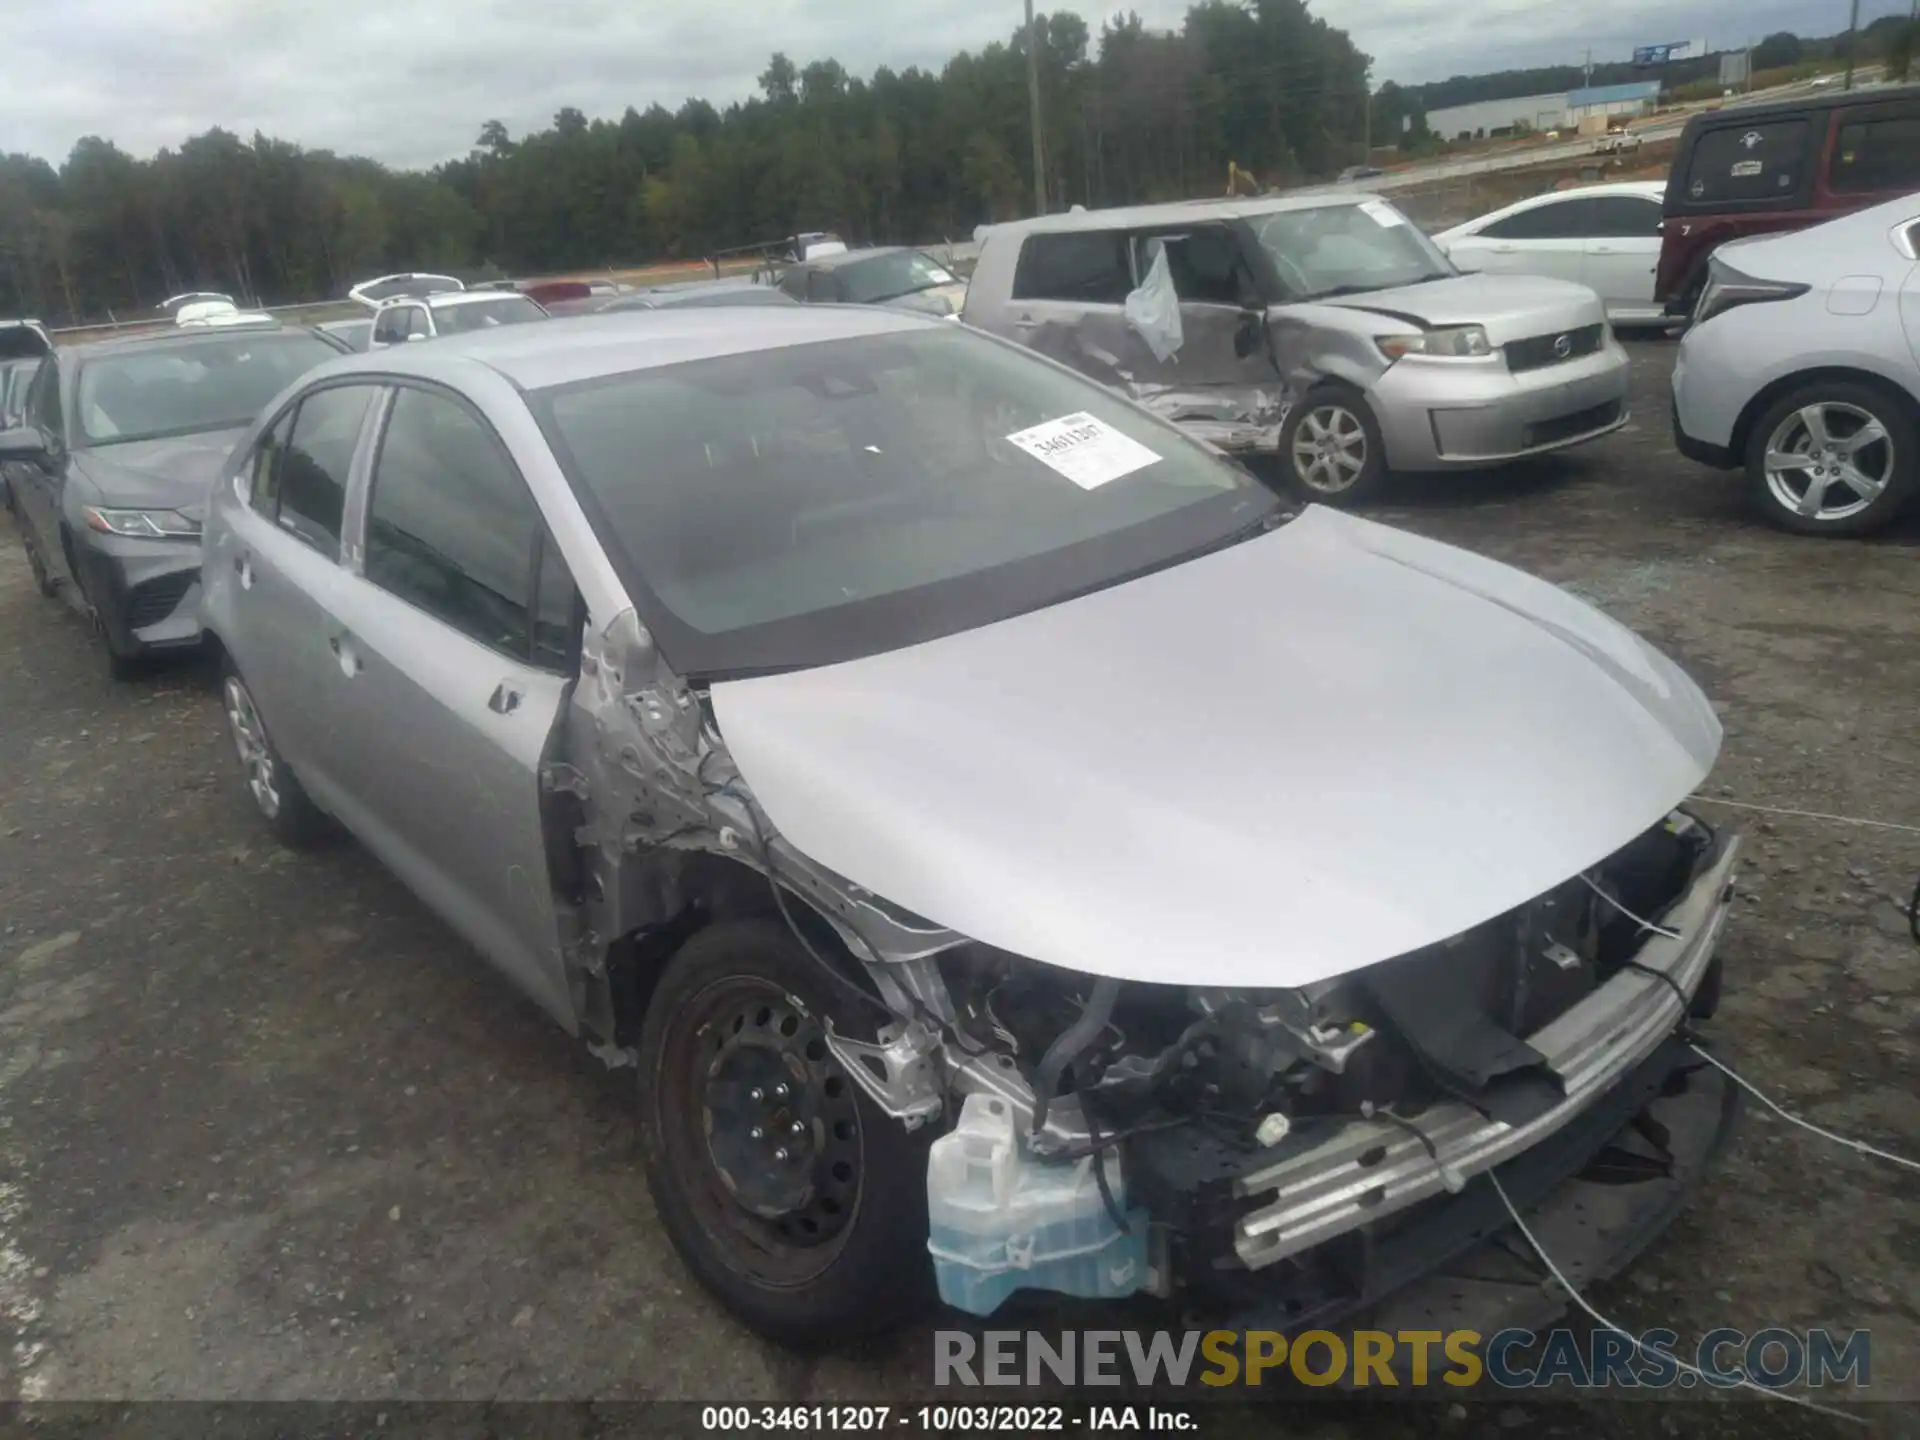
(1033, 104)
(1366, 114)
(1853, 26)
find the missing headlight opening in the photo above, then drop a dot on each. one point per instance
(1310, 1149)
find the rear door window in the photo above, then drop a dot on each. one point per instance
(313, 472)
(1622, 217)
(263, 492)
(1090, 266)
(1749, 164)
(1881, 154)
(1555, 220)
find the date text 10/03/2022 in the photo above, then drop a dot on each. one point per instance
(920, 1419)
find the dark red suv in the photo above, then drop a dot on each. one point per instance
(1756, 169)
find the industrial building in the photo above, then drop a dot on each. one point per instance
(1542, 112)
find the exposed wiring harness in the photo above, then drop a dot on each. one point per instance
(1747, 1085)
(1640, 1348)
(1614, 901)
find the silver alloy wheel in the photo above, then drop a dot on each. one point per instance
(1330, 449)
(250, 739)
(1829, 461)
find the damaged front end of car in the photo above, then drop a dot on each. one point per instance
(1297, 1152)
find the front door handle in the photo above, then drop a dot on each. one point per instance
(506, 697)
(1025, 322)
(343, 651)
(243, 567)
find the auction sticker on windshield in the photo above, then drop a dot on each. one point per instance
(1087, 451)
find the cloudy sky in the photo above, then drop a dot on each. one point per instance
(409, 81)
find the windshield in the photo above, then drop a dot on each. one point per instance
(1345, 249)
(189, 387)
(812, 503)
(485, 314)
(885, 277)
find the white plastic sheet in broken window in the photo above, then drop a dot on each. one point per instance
(1154, 310)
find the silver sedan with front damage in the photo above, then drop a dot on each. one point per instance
(1325, 330)
(1012, 850)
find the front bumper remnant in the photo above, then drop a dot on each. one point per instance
(1371, 1169)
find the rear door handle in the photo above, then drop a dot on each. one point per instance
(506, 697)
(343, 651)
(1025, 322)
(243, 567)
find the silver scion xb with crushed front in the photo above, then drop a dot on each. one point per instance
(1325, 329)
(1010, 847)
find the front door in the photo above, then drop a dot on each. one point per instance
(457, 688)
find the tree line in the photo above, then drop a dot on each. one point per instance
(1132, 114)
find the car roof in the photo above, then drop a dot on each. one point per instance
(838, 258)
(447, 299)
(587, 347)
(176, 335)
(1772, 109)
(1131, 217)
(1650, 189)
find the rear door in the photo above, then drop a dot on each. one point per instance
(458, 624)
(1622, 251)
(1545, 239)
(284, 549)
(1069, 292)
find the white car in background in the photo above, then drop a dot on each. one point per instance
(1606, 237)
(1802, 365)
(450, 312)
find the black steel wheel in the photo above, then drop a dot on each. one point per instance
(788, 1192)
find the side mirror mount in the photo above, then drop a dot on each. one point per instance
(26, 445)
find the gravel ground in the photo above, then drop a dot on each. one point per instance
(267, 1130)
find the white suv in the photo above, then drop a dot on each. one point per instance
(424, 317)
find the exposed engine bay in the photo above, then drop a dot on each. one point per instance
(1100, 1136)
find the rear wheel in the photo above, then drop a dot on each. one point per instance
(1330, 447)
(790, 1195)
(295, 820)
(1833, 457)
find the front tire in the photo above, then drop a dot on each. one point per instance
(1330, 447)
(790, 1195)
(294, 819)
(1833, 457)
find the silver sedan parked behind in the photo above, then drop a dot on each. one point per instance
(788, 700)
(1803, 366)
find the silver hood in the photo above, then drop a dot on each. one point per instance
(1511, 307)
(1275, 764)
